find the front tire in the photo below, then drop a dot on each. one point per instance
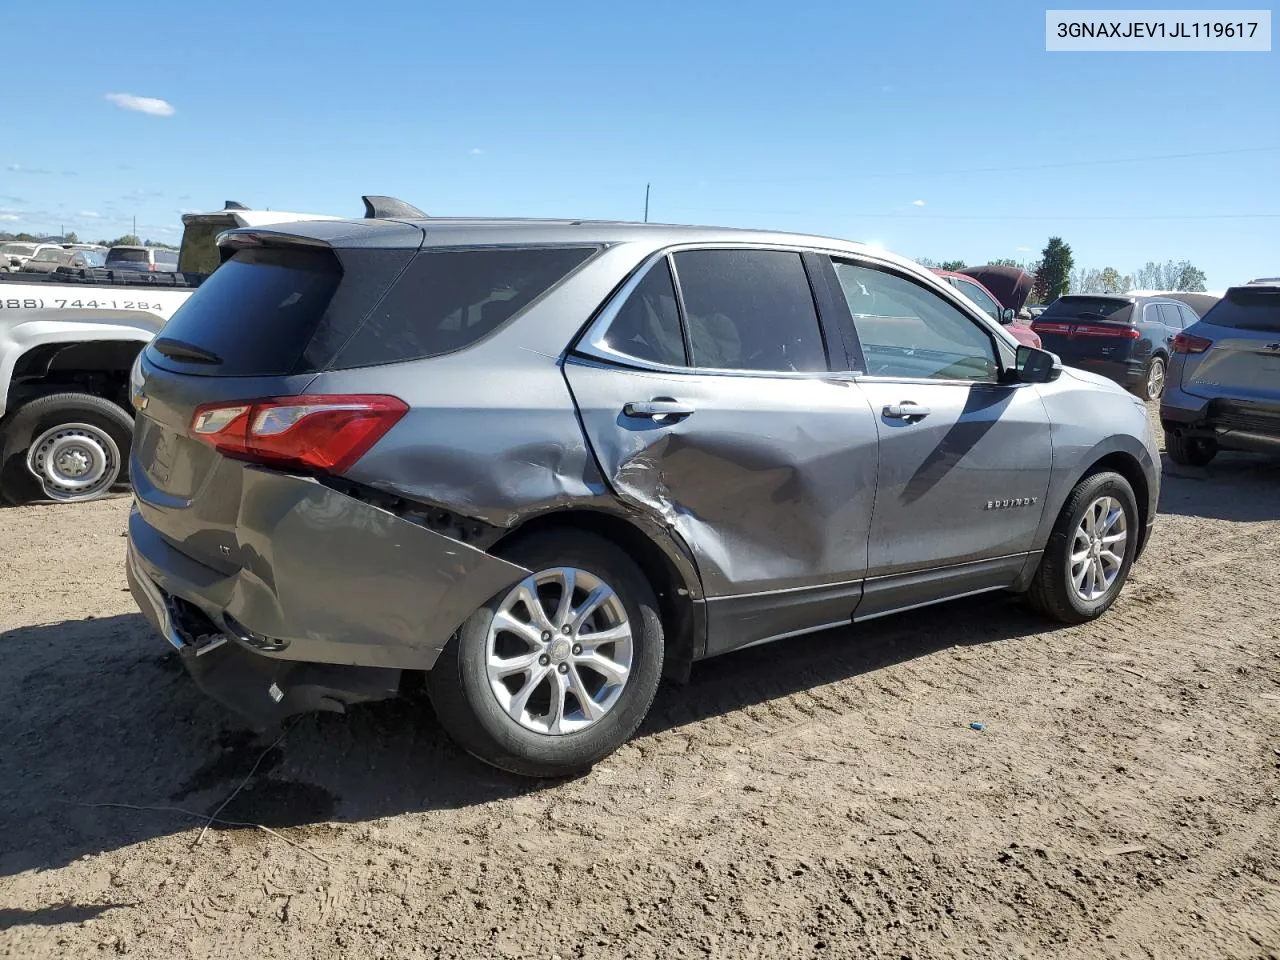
(557, 672)
(1189, 451)
(66, 447)
(1087, 559)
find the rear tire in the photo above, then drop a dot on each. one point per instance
(78, 443)
(495, 689)
(1189, 451)
(1063, 587)
(1153, 379)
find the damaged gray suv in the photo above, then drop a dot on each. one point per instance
(551, 462)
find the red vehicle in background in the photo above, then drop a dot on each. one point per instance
(990, 305)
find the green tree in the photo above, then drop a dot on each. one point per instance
(128, 240)
(1054, 275)
(926, 262)
(1112, 281)
(952, 265)
(1006, 263)
(1190, 278)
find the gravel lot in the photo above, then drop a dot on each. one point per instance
(819, 797)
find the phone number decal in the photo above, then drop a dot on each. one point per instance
(37, 304)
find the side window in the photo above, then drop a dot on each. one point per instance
(647, 326)
(1169, 314)
(907, 330)
(1151, 313)
(1188, 315)
(750, 310)
(984, 302)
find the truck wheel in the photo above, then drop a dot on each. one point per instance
(65, 446)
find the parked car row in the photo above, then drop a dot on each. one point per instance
(18, 256)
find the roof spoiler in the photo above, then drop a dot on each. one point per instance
(389, 208)
(234, 205)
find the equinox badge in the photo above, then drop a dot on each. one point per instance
(1015, 502)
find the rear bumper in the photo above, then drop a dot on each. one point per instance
(338, 598)
(1233, 424)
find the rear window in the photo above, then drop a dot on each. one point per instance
(126, 256)
(1074, 308)
(1247, 310)
(166, 256)
(271, 312)
(256, 313)
(449, 299)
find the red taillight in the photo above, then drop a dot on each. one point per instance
(1051, 327)
(318, 432)
(1184, 343)
(1124, 333)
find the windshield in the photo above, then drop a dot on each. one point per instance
(978, 296)
(45, 256)
(17, 249)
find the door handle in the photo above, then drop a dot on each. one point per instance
(658, 409)
(905, 411)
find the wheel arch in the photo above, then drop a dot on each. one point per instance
(669, 570)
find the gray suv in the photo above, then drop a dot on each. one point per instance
(1224, 379)
(551, 462)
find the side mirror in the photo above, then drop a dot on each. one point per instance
(1037, 366)
(1007, 315)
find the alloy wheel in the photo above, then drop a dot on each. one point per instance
(558, 651)
(1098, 548)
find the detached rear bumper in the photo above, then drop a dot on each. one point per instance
(337, 597)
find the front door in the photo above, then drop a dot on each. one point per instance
(731, 429)
(964, 459)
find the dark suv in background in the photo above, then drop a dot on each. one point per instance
(1124, 338)
(1224, 379)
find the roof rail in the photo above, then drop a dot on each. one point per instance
(389, 208)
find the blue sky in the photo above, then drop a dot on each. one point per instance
(941, 130)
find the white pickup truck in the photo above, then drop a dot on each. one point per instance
(68, 341)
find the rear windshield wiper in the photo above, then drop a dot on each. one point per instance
(188, 352)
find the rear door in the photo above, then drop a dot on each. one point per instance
(714, 409)
(964, 459)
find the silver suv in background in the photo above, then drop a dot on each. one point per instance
(143, 259)
(1223, 388)
(549, 462)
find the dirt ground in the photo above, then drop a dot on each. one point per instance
(821, 797)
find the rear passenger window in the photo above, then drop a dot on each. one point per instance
(750, 310)
(448, 299)
(1169, 314)
(1188, 315)
(648, 325)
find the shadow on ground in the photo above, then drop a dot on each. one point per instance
(97, 714)
(1234, 486)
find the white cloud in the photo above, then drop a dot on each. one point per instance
(1023, 249)
(476, 151)
(90, 214)
(917, 203)
(148, 105)
(9, 217)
